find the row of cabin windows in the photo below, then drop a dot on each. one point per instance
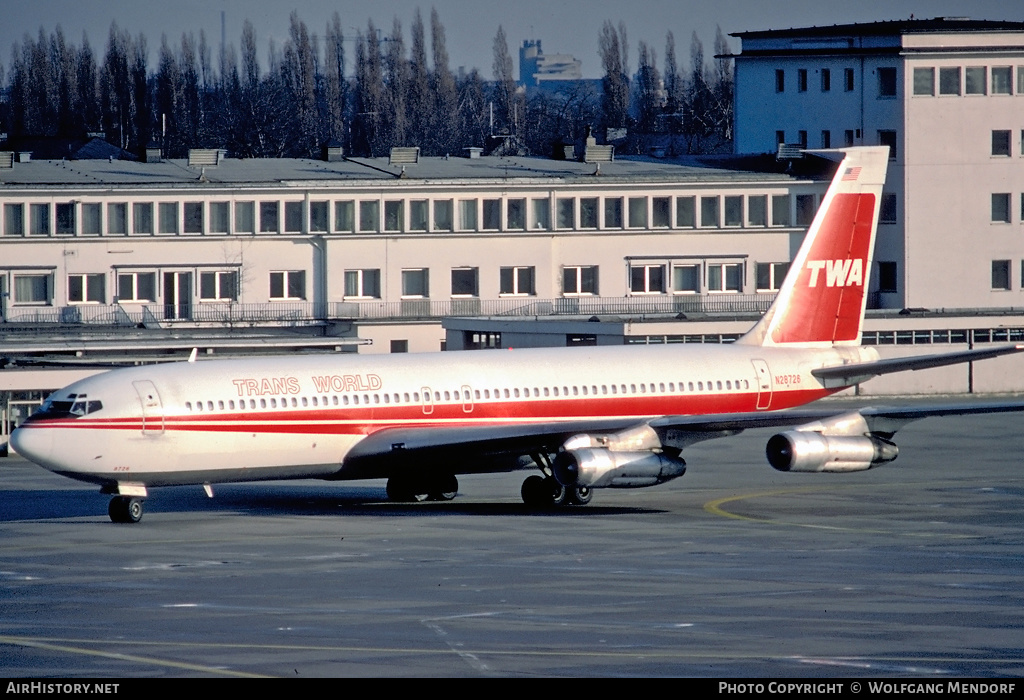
(399, 216)
(462, 395)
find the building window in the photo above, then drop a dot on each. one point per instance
(517, 280)
(1020, 80)
(515, 214)
(87, 289)
(65, 218)
(1001, 208)
(733, 211)
(801, 80)
(168, 217)
(492, 214)
(194, 217)
(770, 276)
(804, 209)
(613, 212)
(579, 280)
(467, 215)
(317, 216)
(1001, 142)
(394, 215)
(1002, 80)
(848, 137)
(709, 212)
(218, 286)
(647, 279)
(416, 283)
(686, 279)
(757, 210)
(14, 219)
(345, 216)
(117, 218)
(292, 217)
(780, 210)
(362, 284)
(725, 277)
(588, 212)
(245, 217)
(826, 80)
(887, 277)
(369, 216)
(33, 289)
(888, 138)
(418, 214)
(686, 212)
(399, 346)
(465, 282)
(638, 212)
(288, 285)
(780, 80)
(887, 82)
(136, 287)
(949, 80)
(848, 79)
(1000, 275)
(975, 80)
(661, 212)
(269, 217)
(780, 137)
(443, 215)
(801, 138)
(219, 213)
(541, 214)
(92, 219)
(887, 210)
(924, 81)
(141, 217)
(826, 138)
(39, 219)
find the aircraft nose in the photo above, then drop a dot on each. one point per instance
(34, 444)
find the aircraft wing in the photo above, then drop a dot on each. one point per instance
(845, 375)
(496, 447)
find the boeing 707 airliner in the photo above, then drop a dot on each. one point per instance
(585, 418)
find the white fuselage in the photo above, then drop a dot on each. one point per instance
(297, 417)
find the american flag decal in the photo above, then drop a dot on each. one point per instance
(851, 173)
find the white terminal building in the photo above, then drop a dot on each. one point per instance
(130, 261)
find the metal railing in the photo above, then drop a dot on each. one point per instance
(287, 313)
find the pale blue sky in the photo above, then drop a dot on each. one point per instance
(564, 26)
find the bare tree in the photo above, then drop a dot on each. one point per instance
(612, 47)
(507, 100)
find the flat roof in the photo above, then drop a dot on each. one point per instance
(304, 172)
(888, 28)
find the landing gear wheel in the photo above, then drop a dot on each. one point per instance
(444, 488)
(541, 492)
(123, 509)
(402, 490)
(580, 495)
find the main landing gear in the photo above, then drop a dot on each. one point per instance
(407, 489)
(125, 509)
(545, 492)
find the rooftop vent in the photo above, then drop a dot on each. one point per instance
(6, 160)
(333, 152)
(473, 151)
(790, 151)
(598, 154)
(203, 157)
(152, 153)
(404, 155)
(24, 156)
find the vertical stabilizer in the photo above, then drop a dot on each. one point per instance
(822, 300)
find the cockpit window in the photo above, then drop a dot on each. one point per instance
(74, 406)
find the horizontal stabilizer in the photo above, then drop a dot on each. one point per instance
(858, 372)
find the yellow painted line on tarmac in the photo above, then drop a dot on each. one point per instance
(49, 645)
(715, 507)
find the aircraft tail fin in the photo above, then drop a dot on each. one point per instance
(822, 300)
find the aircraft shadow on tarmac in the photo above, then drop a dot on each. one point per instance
(270, 501)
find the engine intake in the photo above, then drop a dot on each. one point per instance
(806, 451)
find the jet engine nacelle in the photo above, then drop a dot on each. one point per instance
(805, 451)
(598, 467)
